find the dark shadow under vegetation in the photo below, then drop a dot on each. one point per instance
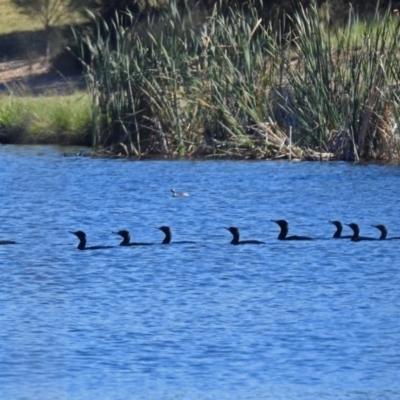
(32, 44)
(20, 134)
(18, 45)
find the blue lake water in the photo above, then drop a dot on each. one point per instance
(283, 320)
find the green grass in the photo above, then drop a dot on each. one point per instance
(25, 118)
(11, 20)
(45, 120)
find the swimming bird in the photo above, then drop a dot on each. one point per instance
(384, 233)
(168, 236)
(127, 239)
(356, 233)
(338, 233)
(7, 242)
(82, 242)
(181, 194)
(285, 229)
(235, 240)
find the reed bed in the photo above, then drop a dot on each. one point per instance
(228, 86)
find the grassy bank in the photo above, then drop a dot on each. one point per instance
(228, 86)
(53, 119)
(12, 21)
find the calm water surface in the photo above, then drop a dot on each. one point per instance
(305, 320)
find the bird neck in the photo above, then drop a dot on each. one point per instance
(235, 239)
(82, 244)
(284, 232)
(126, 241)
(356, 235)
(338, 232)
(167, 239)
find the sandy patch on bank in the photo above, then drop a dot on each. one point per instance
(37, 76)
(22, 69)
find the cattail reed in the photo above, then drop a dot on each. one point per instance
(228, 85)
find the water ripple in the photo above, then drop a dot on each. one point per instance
(298, 320)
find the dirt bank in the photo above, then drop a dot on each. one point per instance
(36, 77)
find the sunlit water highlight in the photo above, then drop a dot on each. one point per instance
(284, 320)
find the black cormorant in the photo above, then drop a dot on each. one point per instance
(356, 233)
(82, 242)
(384, 233)
(235, 240)
(338, 233)
(127, 239)
(168, 236)
(285, 229)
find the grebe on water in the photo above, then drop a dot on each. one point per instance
(177, 194)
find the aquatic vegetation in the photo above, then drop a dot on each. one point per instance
(229, 86)
(344, 84)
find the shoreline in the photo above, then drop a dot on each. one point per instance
(85, 151)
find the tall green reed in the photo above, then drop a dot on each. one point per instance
(171, 84)
(339, 78)
(176, 82)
